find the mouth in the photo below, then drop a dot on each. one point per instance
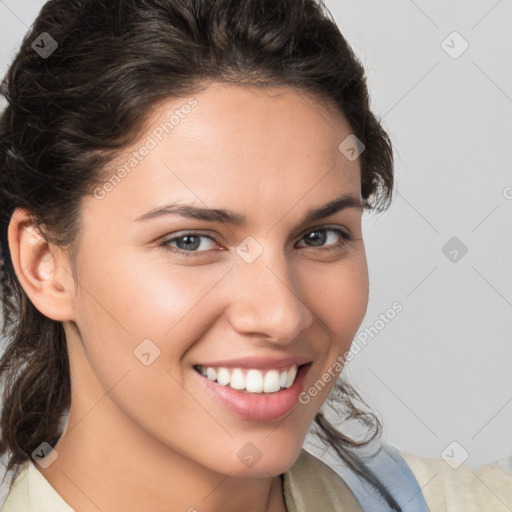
(251, 380)
(253, 393)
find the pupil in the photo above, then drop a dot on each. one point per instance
(314, 238)
(188, 237)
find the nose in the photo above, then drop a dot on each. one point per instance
(267, 301)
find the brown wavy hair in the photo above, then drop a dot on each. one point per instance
(69, 114)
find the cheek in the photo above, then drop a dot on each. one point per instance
(161, 310)
(151, 298)
(341, 303)
(340, 297)
(122, 304)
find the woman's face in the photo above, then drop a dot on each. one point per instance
(255, 295)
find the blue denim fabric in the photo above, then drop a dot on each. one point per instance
(394, 473)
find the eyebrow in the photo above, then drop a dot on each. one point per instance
(340, 203)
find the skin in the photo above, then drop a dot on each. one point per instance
(149, 437)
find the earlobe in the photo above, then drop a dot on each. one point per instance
(41, 268)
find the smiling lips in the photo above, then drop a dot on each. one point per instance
(251, 380)
(256, 388)
(253, 389)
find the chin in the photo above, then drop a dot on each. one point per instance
(271, 460)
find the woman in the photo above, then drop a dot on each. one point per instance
(182, 190)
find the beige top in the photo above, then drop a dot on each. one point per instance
(447, 489)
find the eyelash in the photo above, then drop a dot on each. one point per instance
(165, 244)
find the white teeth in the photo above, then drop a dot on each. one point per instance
(253, 381)
(210, 373)
(223, 376)
(271, 382)
(291, 376)
(237, 379)
(283, 377)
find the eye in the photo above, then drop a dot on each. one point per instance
(318, 237)
(188, 243)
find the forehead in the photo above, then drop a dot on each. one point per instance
(237, 117)
(236, 144)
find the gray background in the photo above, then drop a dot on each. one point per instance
(439, 373)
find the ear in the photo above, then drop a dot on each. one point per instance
(43, 269)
